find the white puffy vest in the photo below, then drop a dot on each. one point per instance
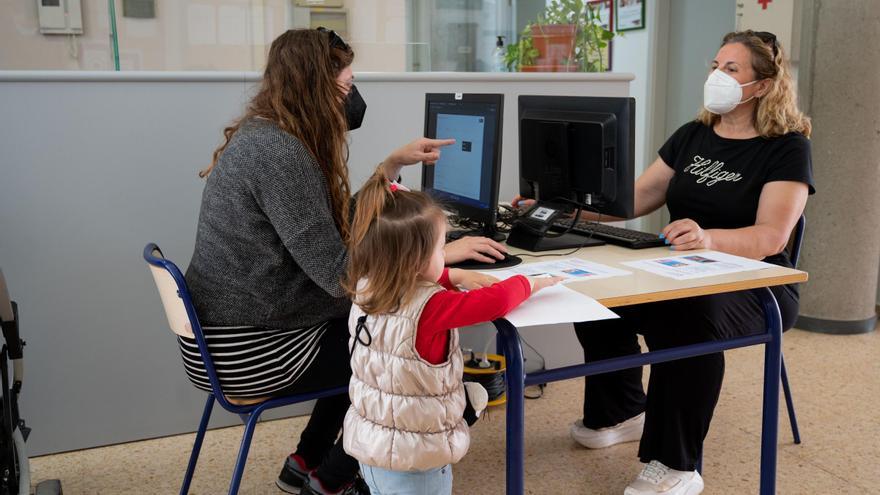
(405, 414)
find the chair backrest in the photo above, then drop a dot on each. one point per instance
(180, 311)
(183, 320)
(6, 312)
(169, 290)
(797, 240)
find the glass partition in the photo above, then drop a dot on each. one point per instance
(234, 35)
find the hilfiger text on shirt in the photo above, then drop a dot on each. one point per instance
(710, 172)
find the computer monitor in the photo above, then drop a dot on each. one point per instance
(466, 177)
(579, 148)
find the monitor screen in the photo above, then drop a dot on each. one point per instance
(466, 176)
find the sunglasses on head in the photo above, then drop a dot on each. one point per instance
(770, 39)
(336, 41)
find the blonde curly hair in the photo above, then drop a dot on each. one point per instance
(776, 113)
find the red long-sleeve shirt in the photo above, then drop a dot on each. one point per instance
(452, 309)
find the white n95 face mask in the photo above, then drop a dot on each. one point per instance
(722, 93)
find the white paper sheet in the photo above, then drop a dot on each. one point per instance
(570, 269)
(699, 265)
(558, 304)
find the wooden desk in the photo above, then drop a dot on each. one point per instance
(643, 287)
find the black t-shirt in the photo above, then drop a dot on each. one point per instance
(718, 181)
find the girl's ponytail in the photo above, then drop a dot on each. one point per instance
(393, 236)
(371, 200)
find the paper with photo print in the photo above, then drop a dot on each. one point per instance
(570, 269)
(697, 265)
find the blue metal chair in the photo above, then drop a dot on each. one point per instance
(183, 321)
(794, 254)
(796, 242)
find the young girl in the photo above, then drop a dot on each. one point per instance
(405, 425)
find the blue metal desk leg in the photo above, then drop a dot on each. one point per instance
(515, 407)
(789, 404)
(770, 424)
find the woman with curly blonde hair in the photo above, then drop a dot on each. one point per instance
(735, 180)
(775, 112)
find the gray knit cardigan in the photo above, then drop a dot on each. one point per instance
(267, 252)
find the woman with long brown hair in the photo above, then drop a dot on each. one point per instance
(270, 250)
(736, 179)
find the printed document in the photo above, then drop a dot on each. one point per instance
(570, 269)
(559, 304)
(704, 264)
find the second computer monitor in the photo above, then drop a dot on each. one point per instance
(579, 148)
(466, 176)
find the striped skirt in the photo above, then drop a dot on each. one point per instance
(251, 361)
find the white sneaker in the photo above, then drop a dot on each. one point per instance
(628, 431)
(656, 478)
(477, 395)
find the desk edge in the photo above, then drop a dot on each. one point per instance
(611, 302)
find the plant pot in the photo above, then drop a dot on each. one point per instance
(549, 68)
(554, 42)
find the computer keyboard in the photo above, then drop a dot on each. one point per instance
(632, 239)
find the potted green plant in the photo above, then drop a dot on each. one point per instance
(522, 53)
(567, 37)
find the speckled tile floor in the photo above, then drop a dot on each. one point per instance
(836, 383)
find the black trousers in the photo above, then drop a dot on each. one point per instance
(681, 394)
(320, 443)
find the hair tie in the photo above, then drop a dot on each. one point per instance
(395, 186)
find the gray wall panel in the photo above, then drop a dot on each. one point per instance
(695, 31)
(90, 173)
(91, 170)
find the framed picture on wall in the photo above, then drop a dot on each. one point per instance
(630, 14)
(605, 9)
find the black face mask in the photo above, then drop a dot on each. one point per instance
(355, 108)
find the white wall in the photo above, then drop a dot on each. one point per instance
(690, 32)
(23, 47)
(635, 52)
(695, 31)
(193, 35)
(378, 30)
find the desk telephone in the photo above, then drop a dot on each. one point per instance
(531, 230)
